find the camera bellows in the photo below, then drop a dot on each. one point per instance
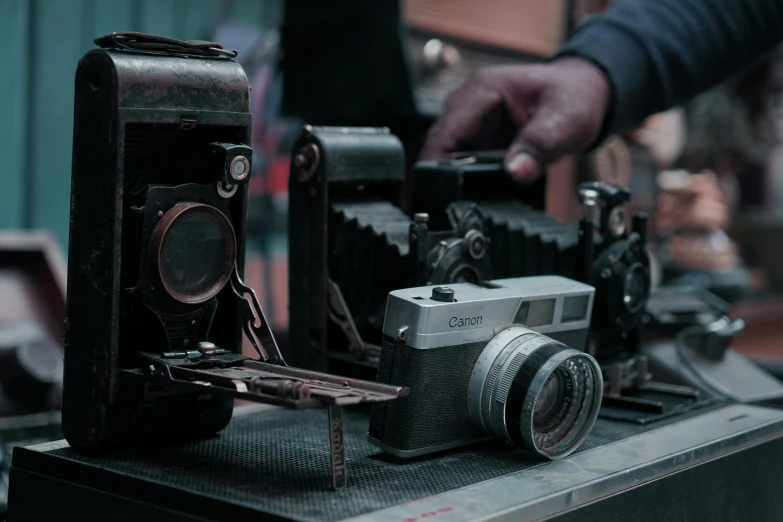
(368, 246)
(525, 241)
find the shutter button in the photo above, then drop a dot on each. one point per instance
(444, 294)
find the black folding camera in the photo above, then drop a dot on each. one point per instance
(156, 304)
(351, 242)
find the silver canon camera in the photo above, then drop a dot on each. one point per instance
(502, 359)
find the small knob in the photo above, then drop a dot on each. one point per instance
(475, 244)
(207, 349)
(444, 294)
(421, 218)
(239, 168)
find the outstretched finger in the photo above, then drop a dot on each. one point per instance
(463, 121)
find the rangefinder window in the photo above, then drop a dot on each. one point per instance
(540, 313)
(575, 308)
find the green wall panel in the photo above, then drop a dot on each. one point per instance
(158, 16)
(42, 42)
(198, 19)
(113, 15)
(14, 26)
(61, 38)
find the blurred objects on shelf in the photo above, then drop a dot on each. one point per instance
(704, 334)
(760, 236)
(526, 26)
(32, 280)
(32, 307)
(690, 212)
(691, 219)
(30, 369)
(761, 338)
(732, 131)
(449, 42)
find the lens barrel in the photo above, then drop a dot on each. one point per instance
(535, 393)
(193, 248)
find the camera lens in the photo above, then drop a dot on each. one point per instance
(635, 288)
(551, 396)
(535, 393)
(195, 248)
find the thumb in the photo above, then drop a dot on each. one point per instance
(549, 134)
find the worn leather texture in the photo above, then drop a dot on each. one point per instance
(435, 412)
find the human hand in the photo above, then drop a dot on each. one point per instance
(543, 112)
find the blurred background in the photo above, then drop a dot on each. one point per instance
(710, 173)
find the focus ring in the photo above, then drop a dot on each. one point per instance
(515, 404)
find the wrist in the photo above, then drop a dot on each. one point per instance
(588, 74)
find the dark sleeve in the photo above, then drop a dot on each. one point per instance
(659, 53)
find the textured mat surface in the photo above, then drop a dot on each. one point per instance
(278, 462)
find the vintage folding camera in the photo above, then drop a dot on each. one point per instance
(524, 241)
(343, 266)
(351, 243)
(606, 251)
(156, 305)
(502, 359)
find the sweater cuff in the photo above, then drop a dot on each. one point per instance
(624, 61)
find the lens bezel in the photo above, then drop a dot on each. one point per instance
(524, 394)
(506, 410)
(158, 240)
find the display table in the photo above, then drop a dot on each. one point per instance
(721, 462)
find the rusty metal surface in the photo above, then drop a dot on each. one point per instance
(140, 120)
(169, 82)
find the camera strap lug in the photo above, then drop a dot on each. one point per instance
(340, 314)
(254, 322)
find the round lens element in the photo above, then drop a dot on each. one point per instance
(534, 392)
(635, 288)
(551, 397)
(240, 168)
(195, 249)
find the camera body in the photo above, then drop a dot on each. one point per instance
(156, 305)
(606, 251)
(476, 357)
(344, 181)
(351, 243)
(468, 176)
(140, 150)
